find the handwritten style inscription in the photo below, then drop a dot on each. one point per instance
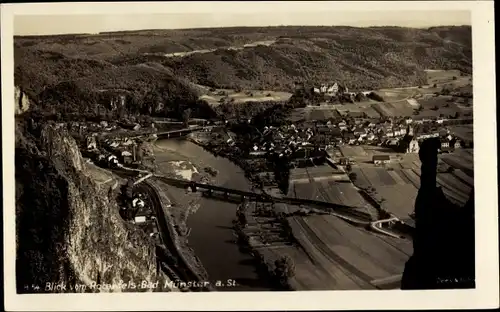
(125, 286)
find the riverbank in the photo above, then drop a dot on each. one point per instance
(259, 229)
(187, 256)
(239, 162)
(205, 224)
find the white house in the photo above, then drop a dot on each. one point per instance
(140, 219)
(91, 143)
(137, 202)
(333, 89)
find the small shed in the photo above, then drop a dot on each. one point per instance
(381, 159)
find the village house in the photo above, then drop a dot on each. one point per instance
(392, 143)
(381, 159)
(333, 89)
(427, 135)
(457, 143)
(342, 125)
(127, 157)
(402, 131)
(388, 132)
(370, 137)
(358, 131)
(349, 137)
(445, 143)
(91, 143)
(344, 161)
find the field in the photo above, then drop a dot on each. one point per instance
(403, 177)
(352, 256)
(308, 275)
(214, 97)
(329, 191)
(321, 113)
(464, 132)
(361, 107)
(445, 107)
(352, 151)
(315, 172)
(398, 199)
(394, 109)
(445, 76)
(397, 94)
(363, 154)
(320, 184)
(453, 188)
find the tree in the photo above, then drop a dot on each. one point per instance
(186, 114)
(353, 176)
(284, 269)
(375, 96)
(348, 167)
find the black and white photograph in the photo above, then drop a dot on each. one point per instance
(250, 148)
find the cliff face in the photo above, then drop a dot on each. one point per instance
(68, 227)
(21, 100)
(443, 241)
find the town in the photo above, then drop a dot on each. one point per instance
(285, 158)
(327, 153)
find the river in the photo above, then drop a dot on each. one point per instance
(212, 236)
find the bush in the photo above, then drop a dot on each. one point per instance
(284, 269)
(374, 96)
(353, 176)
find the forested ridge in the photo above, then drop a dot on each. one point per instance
(72, 71)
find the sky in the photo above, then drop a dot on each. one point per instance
(94, 23)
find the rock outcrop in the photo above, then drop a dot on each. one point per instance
(69, 230)
(22, 103)
(443, 242)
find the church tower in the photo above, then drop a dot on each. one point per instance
(409, 131)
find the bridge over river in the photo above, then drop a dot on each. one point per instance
(351, 213)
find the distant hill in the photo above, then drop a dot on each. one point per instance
(361, 58)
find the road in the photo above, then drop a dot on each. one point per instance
(377, 227)
(187, 53)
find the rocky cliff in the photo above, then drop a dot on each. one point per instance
(68, 226)
(443, 241)
(22, 101)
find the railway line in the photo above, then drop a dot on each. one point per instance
(180, 269)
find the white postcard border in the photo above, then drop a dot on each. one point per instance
(484, 296)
